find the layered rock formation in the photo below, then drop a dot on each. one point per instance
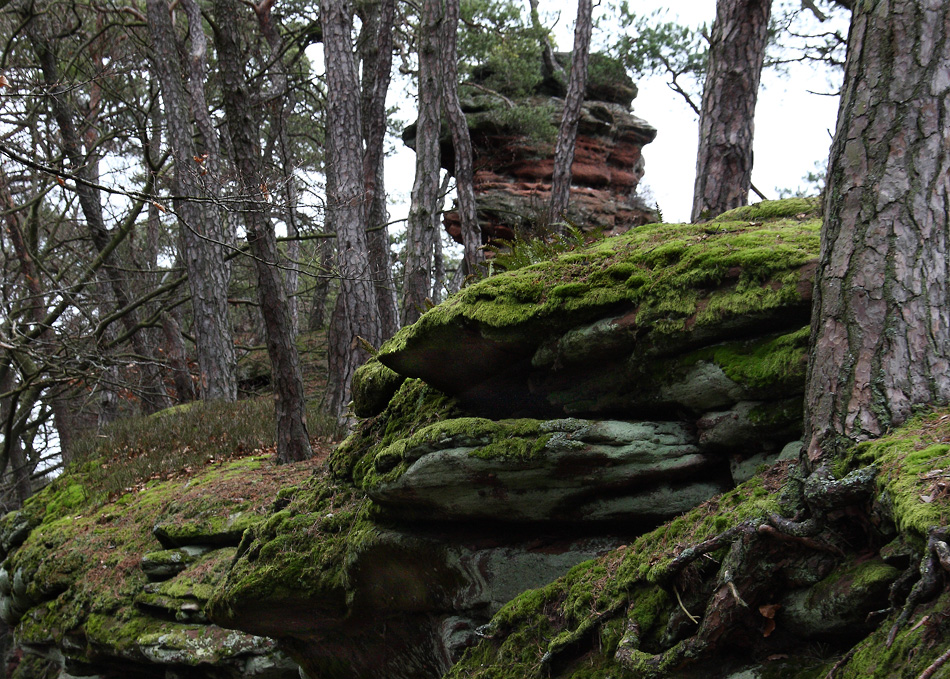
(495, 513)
(537, 419)
(513, 143)
(98, 587)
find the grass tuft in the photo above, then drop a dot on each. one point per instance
(178, 440)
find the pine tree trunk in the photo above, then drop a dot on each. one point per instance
(356, 316)
(201, 223)
(726, 124)
(376, 53)
(423, 225)
(293, 441)
(881, 317)
(461, 142)
(567, 134)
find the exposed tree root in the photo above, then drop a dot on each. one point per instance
(757, 552)
(936, 559)
(936, 665)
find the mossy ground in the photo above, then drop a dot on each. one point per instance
(299, 552)
(81, 561)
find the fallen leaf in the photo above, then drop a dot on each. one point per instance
(769, 627)
(769, 610)
(927, 498)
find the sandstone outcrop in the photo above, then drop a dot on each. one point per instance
(90, 591)
(537, 485)
(535, 420)
(513, 144)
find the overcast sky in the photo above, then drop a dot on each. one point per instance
(793, 127)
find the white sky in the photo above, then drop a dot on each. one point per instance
(792, 126)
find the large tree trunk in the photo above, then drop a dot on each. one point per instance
(356, 315)
(293, 441)
(423, 227)
(570, 118)
(726, 124)
(881, 318)
(462, 144)
(201, 224)
(376, 53)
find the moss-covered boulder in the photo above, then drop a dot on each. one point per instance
(86, 585)
(720, 592)
(587, 331)
(355, 593)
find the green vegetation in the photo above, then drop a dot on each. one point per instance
(914, 464)
(681, 278)
(300, 552)
(585, 608)
(178, 440)
(415, 406)
(81, 562)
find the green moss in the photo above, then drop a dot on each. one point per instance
(910, 466)
(778, 361)
(519, 439)
(302, 550)
(915, 648)
(598, 600)
(373, 386)
(788, 208)
(82, 569)
(414, 406)
(680, 278)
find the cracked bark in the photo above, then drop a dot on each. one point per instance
(881, 314)
(423, 227)
(726, 123)
(293, 441)
(355, 314)
(200, 222)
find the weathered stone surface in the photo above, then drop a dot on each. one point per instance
(839, 605)
(219, 530)
(513, 136)
(170, 562)
(562, 471)
(78, 593)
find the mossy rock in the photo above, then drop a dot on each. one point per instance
(76, 582)
(829, 612)
(374, 385)
(414, 405)
(661, 290)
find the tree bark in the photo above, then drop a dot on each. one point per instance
(201, 224)
(461, 142)
(423, 226)
(726, 124)
(293, 441)
(570, 118)
(376, 53)
(881, 316)
(357, 306)
(282, 106)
